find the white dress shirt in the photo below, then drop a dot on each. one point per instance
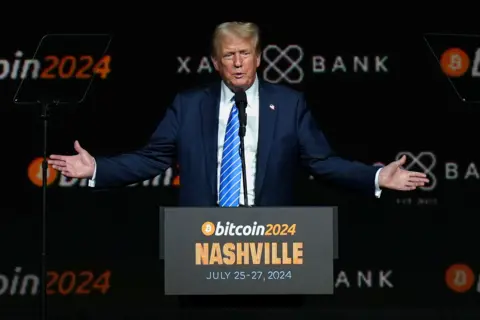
(250, 140)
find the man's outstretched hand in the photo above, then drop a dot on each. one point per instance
(394, 177)
(81, 165)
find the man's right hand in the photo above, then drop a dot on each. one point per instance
(81, 165)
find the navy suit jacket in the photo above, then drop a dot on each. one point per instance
(288, 137)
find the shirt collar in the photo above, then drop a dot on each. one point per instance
(252, 92)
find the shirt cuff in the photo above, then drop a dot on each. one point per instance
(91, 182)
(378, 191)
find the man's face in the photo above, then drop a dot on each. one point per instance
(236, 62)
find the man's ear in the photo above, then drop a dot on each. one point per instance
(259, 58)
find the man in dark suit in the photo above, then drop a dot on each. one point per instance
(200, 129)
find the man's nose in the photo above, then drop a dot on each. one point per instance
(237, 60)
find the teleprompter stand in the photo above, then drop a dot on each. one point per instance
(44, 116)
(447, 51)
(50, 79)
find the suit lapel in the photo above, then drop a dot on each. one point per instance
(267, 119)
(209, 117)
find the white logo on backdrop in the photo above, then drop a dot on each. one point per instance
(292, 54)
(426, 161)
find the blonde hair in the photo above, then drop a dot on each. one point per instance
(244, 30)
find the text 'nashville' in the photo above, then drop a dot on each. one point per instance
(249, 253)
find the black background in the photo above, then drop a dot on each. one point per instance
(367, 117)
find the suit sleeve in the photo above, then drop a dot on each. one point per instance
(148, 162)
(317, 155)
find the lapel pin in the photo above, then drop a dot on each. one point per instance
(272, 107)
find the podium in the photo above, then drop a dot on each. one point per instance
(248, 251)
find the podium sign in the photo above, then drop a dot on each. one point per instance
(258, 250)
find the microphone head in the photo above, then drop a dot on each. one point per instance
(241, 98)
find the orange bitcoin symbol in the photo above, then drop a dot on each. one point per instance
(208, 228)
(35, 173)
(454, 62)
(459, 277)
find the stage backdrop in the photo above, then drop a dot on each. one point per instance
(376, 96)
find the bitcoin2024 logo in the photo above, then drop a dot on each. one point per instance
(231, 229)
(454, 62)
(460, 278)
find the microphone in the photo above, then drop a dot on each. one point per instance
(241, 104)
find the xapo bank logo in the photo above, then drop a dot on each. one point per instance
(461, 278)
(291, 72)
(448, 171)
(54, 67)
(35, 174)
(360, 279)
(254, 229)
(284, 64)
(425, 162)
(290, 64)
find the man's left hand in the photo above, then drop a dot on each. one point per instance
(394, 177)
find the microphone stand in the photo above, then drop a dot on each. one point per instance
(241, 133)
(44, 116)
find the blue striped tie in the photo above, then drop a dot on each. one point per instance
(231, 170)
